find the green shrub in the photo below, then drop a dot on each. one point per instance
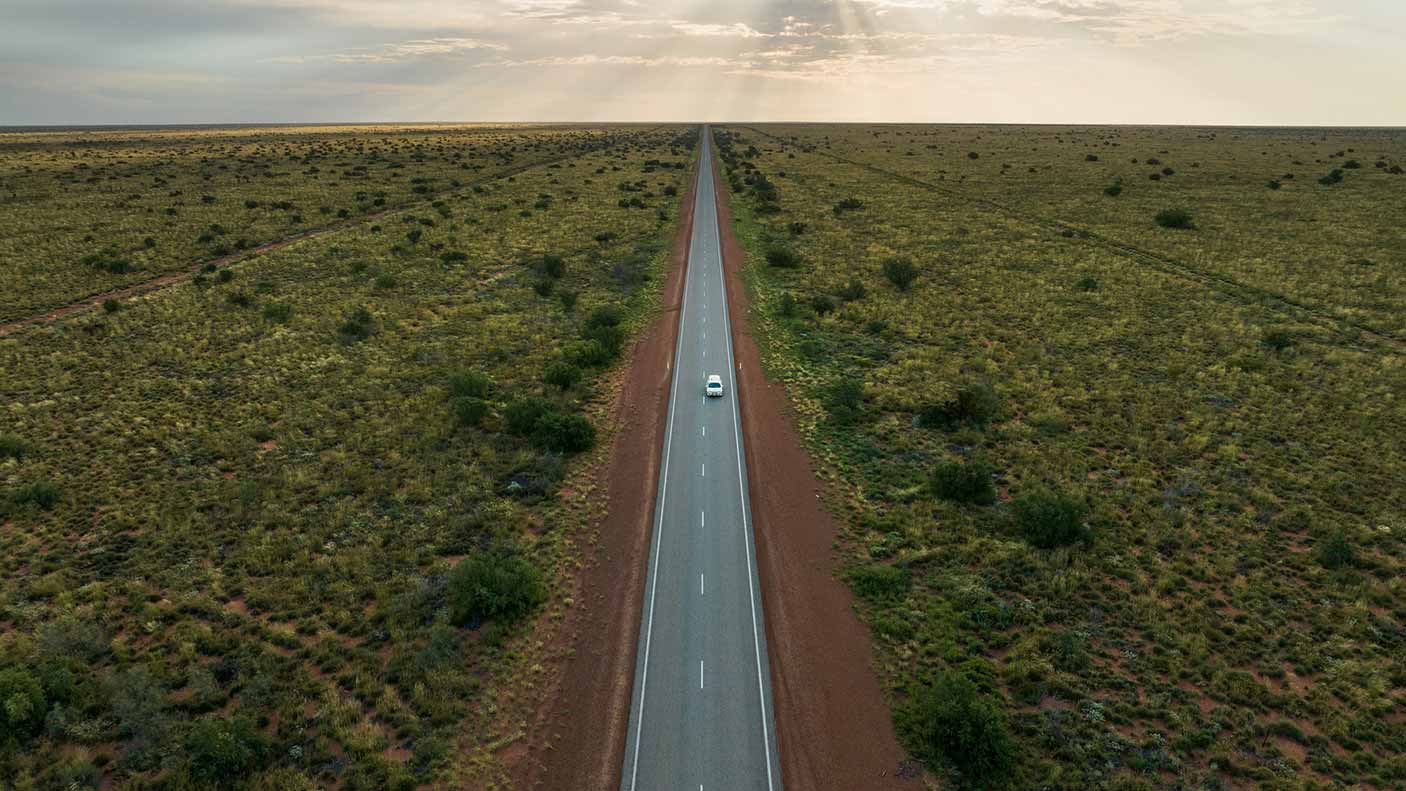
(222, 750)
(879, 581)
(823, 304)
(41, 494)
(1175, 218)
(1334, 177)
(844, 400)
(848, 204)
(358, 326)
(1337, 551)
(1048, 519)
(1274, 184)
(523, 414)
(975, 403)
(553, 266)
(561, 374)
(470, 411)
(854, 291)
(385, 281)
(782, 257)
(1278, 340)
(952, 721)
(604, 316)
(473, 384)
(1114, 190)
(900, 272)
(22, 704)
(497, 586)
(13, 447)
(786, 306)
(1087, 283)
(454, 257)
(564, 433)
(964, 483)
(111, 306)
(567, 298)
(587, 354)
(279, 312)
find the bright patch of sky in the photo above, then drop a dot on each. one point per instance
(1332, 62)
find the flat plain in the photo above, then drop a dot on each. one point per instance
(1114, 419)
(300, 519)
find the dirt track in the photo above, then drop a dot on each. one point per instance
(833, 724)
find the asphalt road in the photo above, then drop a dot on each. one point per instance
(701, 716)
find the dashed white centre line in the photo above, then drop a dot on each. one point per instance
(704, 474)
(700, 586)
(703, 519)
(700, 674)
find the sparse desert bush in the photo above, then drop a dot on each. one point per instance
(12, 447)
(1087, 283)
(470, 384)
(782, 257)
(823, 304)
(901, 272)
(221, 750)
(844, 400)
(22, 705)
(1278, 340)
(279, 312)
(854, 290)
(1335, 176)
(1048, 519)
(848, 204)
(1337, 551)
(973, 403)
(880, 581)
(951, 721)
(561, 374)
(560, 433)
(495, 586)
(470, 410)
(523, 414)
(111, 306)
(968, 482)
(357, 326)
(1113, 190)
(1179, 219)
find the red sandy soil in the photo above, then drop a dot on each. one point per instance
(578, 740)
(834, 729)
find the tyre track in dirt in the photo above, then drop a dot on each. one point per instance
(93, 301)
(834, 727)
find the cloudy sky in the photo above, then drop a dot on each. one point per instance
(1050, 61)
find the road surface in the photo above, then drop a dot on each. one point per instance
(701, 716)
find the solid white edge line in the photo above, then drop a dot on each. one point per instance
(742, 487)
(659, 523)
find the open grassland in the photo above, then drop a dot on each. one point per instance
(86, 212)
(306, 521)
(1125, 500)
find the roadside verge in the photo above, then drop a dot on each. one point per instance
(834, 729)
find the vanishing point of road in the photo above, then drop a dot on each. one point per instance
(701, 716)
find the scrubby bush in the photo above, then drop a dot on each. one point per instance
(1274, 184)
(1048, 519)
(567, 298)
(822, 304)
(844, 400)
(12, 447)
(975, 403)
(279, 312)
(900, 272)
(358, 326)
(544, 287)
(564, 433)
(470, 411)
(954, 722)
(1087, 283)
(470, 384)
(22, 704)
(1337, 551)
(385, 280)
(1277, 340)
(561, 374)
(1179, 219)
(848, 204)
(880, 581)
(454, 257)
(964, 483)
(587, 354)
(782, 257)
(1334, 177)
(1113, 190)
(855, 290)
(222, 750)
(497, 586)
(553, 266)
(40, 494)
(522, 414)
(111, 306)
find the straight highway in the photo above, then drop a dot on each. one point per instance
(701, 715)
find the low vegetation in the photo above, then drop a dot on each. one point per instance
(311, 536)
